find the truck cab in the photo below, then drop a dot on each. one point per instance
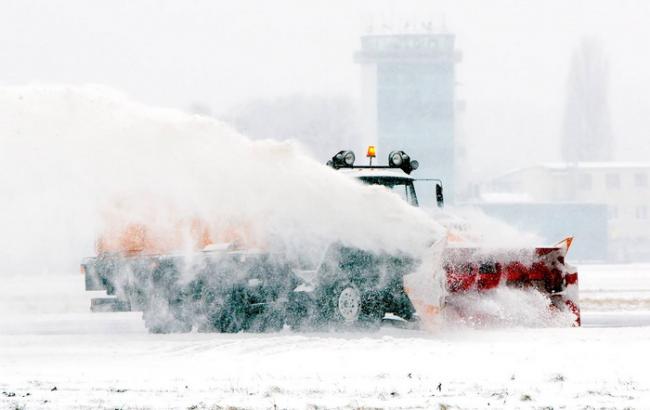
(396, 176)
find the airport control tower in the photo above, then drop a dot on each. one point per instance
(408, 99)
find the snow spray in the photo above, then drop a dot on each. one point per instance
(67, 153)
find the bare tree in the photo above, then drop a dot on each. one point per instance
(587, 124)
(322, 124)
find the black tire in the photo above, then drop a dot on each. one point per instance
(164, 323)
(234, 317)
(347, 307)
(373, 309)
(269, 319)
(163, 301)
(299, 311)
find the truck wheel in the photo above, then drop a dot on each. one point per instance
(299, 310)
(162, 315)
(353, 308)
(372, 309)
(234, 315)
(155, 324)
(271, 320)
(348, 303)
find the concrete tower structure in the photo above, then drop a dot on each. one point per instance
(408, 99)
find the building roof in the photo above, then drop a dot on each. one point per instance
(596, 165)
(600, 165)
(375, 172)
(508, 197)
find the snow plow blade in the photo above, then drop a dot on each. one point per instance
(476, 270)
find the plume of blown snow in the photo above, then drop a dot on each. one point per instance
(68, 152)
(483, 230)
(505, 307)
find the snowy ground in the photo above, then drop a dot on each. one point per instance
(53, 354)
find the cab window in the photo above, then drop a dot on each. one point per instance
(401, 186)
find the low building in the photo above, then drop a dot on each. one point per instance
(619, 192)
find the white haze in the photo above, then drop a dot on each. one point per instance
(68, 152)
(492, 232)
(512, 79)
(65, 152)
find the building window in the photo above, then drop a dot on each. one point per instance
(641, 180)
(613, 181)
(584, 182)
(642, 212)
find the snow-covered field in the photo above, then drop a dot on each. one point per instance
(54, 354)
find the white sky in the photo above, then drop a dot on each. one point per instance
(173, 53)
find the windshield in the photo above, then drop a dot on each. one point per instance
(401, 186)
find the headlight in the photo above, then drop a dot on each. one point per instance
(401, 160)
(349, 158)
(342, 159)
(395, 159)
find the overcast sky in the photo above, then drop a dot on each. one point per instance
(221, 53)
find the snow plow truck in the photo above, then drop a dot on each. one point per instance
(233, 288)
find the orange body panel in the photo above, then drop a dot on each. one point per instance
(157, 229)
